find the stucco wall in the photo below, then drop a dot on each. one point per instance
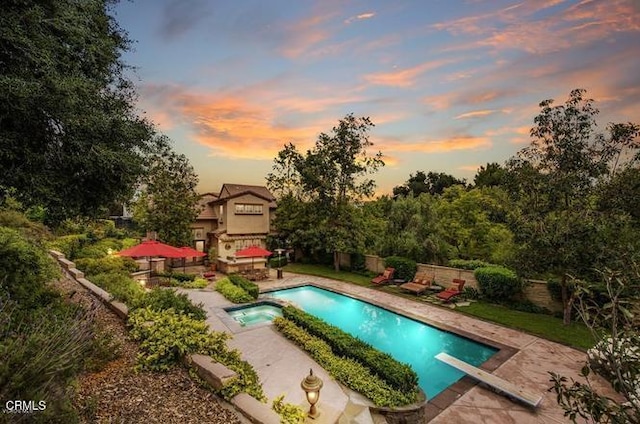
(249, 223)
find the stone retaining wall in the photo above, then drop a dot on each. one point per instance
(214, 373)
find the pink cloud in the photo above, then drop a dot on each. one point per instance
(360, 17)
(405, 77)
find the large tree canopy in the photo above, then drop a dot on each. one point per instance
(554, 180)
(70, 138)
(167, 200)
(332, 177)
(432, 183)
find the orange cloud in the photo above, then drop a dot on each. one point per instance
(471, 168)
(440, 146)
(360, 17)
(475, 114)
(405, 77)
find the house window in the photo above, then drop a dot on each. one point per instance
(248, 209)
(198, 233)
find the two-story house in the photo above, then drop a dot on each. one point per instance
(236, 218)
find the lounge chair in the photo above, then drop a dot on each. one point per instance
(385, 277)
(452, 291)
(419, 285)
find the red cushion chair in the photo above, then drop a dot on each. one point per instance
(452, 291)
(385, 277)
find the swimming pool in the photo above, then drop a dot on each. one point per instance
(254, 314)
(407, 340)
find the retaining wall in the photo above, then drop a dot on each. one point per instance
(214, 373)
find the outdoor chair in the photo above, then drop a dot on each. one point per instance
(384, 278)
(451, 292)
(419, 285)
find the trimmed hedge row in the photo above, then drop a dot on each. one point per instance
(470, 264)
(498, 283)
(348, 371)
(180, 276)
(398, 375)
(232, 292)
(405, 267)
(278, 262)
(246, 285)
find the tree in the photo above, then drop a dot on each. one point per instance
(70, 137)
(333, 178)
(553, 181)
(472, 222)
(432, 183)
(407, 227)
(491, 175)
(614, 357)
(167, 201)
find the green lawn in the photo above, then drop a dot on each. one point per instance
(545, 326)
(324, 271)
(551, 328)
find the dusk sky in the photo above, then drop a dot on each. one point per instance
(450, 85)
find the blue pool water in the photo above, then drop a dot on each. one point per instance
(255, 314)
(407, 340)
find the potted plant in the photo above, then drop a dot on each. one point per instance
(213, 257)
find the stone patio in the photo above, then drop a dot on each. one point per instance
(526, 362)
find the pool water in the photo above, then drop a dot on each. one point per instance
(255, 314)
(405, 339)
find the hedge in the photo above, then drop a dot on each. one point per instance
(497, 283)
(470, 264)
(246, 285)
(232, 292)
(405, 267)
(108, 264)
(349, 372)
(160, 299)
(278, 262)
(397, 374)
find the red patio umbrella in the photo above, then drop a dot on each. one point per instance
(190, 252)
(152, 248)
(253, 252)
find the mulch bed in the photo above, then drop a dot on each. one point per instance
(119, 394)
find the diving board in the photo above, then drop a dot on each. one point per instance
(489, 379)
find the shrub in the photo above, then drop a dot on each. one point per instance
(198, 283)
(24, 268)
(470, 293)
(99, 249)
(397, 374)
(180, 276)
(497, 283)
(107, 264)
(358, 263)
(246, 285)
(405, 267)
(70, 244)
(166, 336)
(278, 262)
(232, 292)
(289, 413)
(348, 371)
(39, 358)
(120, 286)
(162, 299)
(470, 264)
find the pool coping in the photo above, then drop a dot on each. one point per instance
(448, 396)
